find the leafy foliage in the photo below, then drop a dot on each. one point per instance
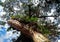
(25, 18)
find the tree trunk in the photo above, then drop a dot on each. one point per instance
(36, 36)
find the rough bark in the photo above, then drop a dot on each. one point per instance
(36, 36)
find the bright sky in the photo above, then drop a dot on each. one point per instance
(4, 35)
(2, 0)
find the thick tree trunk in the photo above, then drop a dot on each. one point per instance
(36, 36)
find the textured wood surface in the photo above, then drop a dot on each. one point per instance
(36, 36)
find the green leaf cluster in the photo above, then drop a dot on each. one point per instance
(25, 18)
(31, 19)
(44, 29)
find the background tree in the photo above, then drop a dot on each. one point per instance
(41, 9)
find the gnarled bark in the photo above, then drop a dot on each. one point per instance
(36, 36)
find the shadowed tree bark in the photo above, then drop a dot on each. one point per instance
(23, 38)
(28, 32)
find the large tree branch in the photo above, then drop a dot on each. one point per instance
(37, 37)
